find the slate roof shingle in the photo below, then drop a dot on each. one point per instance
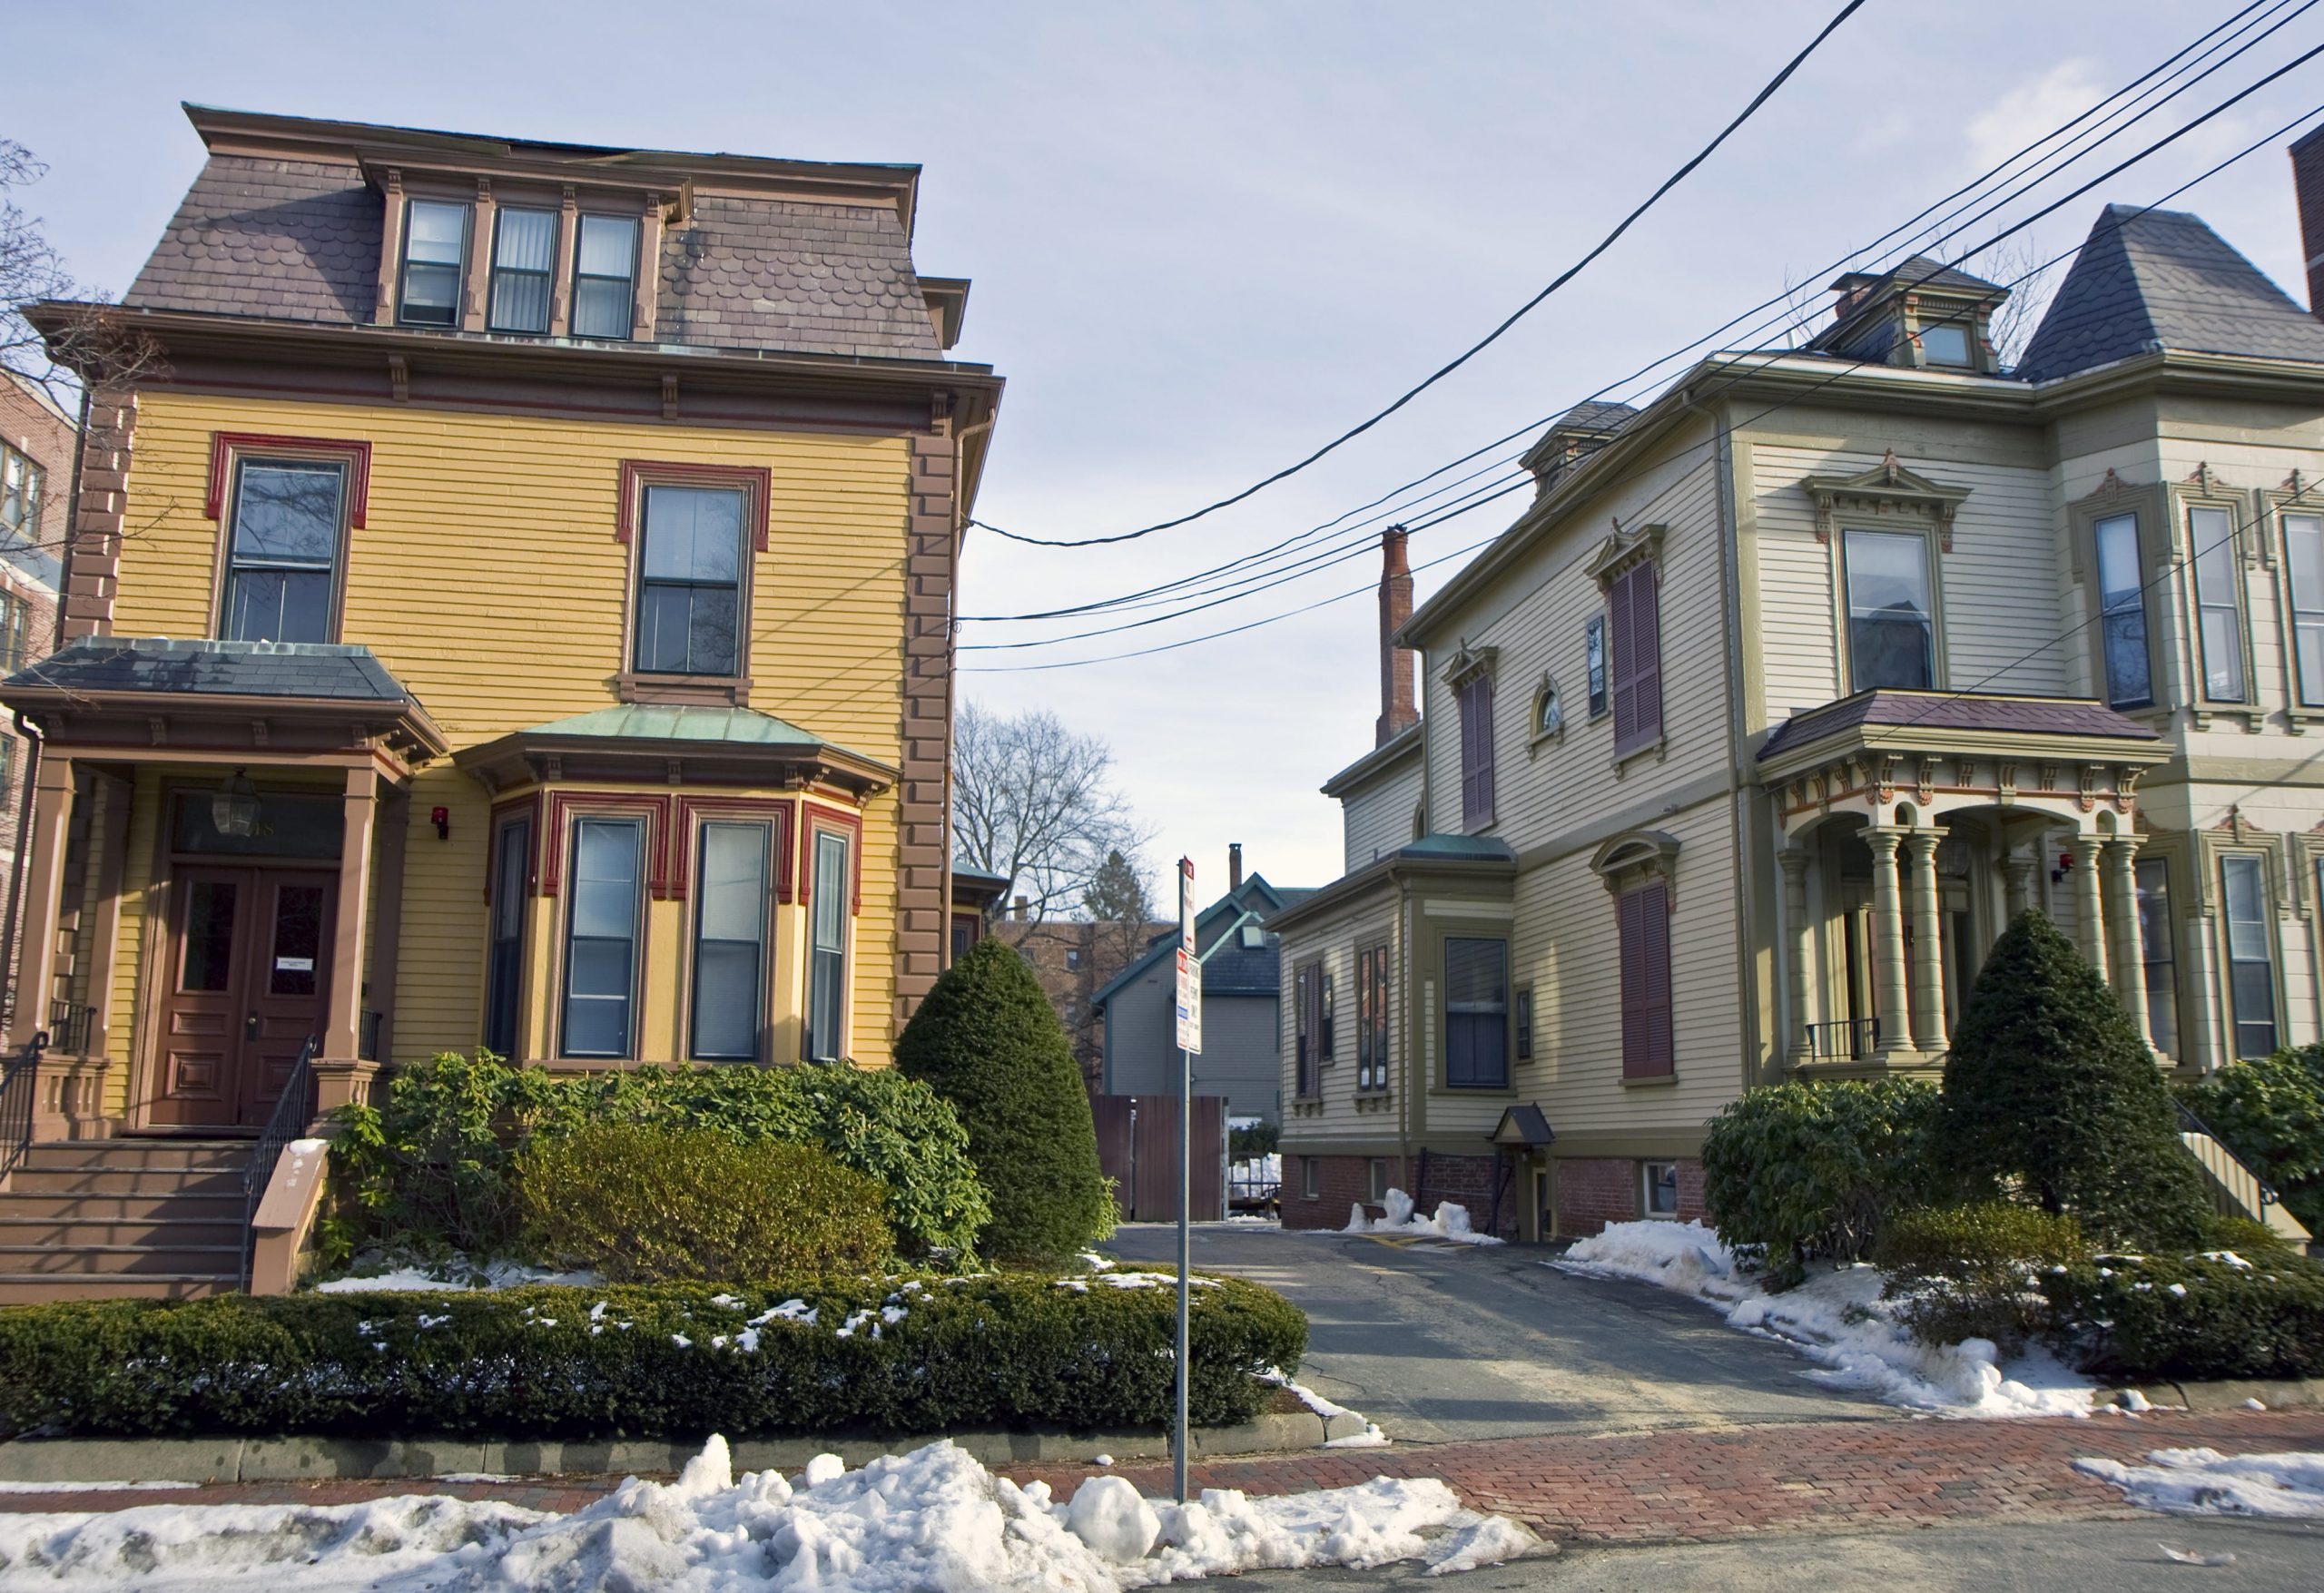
(1594, 414)
(294, 240)
(1969, 711)
(336, 671)
(2149, 279)
(1919, 271)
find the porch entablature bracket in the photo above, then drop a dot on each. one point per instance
(1894, 782)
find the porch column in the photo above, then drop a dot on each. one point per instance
(2089, 910)
(1928, 944)
(343, 1019)
(2129, 957)
(1800, 948)
(2017, 866)
(44, 891)
(1888, 939)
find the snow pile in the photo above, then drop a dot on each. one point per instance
(1837, 1318)
(499, 1275)
(931, 1520)
(1451, 1222)
(2288, 1486)
(1371, 1438)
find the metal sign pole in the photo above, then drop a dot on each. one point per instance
(1189, 1021)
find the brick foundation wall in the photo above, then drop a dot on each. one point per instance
(1345, 1181)
(1593, 1191)
(1339, 1182)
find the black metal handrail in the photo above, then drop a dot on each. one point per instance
(293, 1114)
(70, 1025)
(367, 1036)
(1853, 1038)
(19, 1095)
(2194, 1124)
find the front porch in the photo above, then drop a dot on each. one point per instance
(1912, 828)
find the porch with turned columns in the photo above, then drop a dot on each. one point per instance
(1912, 828)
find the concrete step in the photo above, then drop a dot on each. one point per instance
(165, 1233)
(161, 1181)
(138, 1154)
(222, 1206)
(41, 1288)
(175, 1260)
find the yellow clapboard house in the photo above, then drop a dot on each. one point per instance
(508, 607)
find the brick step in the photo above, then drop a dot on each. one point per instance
(41, 1288)
(106, 1181)
(109, 1260)
(221, 1205)
(135, 1155)
(165, 1233)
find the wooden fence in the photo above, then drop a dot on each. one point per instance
(1138, 1147)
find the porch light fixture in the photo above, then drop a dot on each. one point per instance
(233, 807)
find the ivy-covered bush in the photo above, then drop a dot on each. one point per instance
(986, 1040)
(2269, 1111)
(1975, 1272)
(431, 1170)
(641, 1203)
(2217, 1314)
(2050, 1092)
(896, 1355)
(1811, 1171)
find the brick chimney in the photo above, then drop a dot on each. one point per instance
(2308, 187)
(1398, 710)
(1234, 865)
(1017, 908)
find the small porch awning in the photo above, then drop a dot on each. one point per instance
(738, 745)
(1879, 750)
(122, 696)
(1525, 1127)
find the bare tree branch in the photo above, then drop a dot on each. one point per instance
(1033, 802)
(94, 342)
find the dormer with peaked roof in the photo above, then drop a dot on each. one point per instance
(1920, 313)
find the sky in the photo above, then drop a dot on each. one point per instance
(1206, 238)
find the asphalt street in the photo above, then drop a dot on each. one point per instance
(1438, 1342)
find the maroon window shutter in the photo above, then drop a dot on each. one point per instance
(1476, 749)
(1634, 1021)
(1625, 651)
(1483, 688)
(1654, 937)
(1646, 630)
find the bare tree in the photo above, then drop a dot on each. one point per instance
(1034, 801)
(2017, 265)
(88, 341)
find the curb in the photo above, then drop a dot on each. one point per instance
(2223, 1394)
(314, 1459)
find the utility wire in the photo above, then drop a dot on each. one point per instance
(1478, 347)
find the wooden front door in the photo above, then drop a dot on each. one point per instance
(249, 974)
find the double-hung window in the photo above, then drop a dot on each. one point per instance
(2122, 601)
(435, 259)
(833, 889)
(21, 481)
(690, 581)
(1307, 1024)
(16, 626)
(2304, 555)
(1476, 1014)
(2152, 880)
(1633, 606)
(601, 938)
(1593, 654)
(729, 941)
(1476, 750)
(2250, 955)
(524, 263)
(1643, 913)
(2219, 611)
(1371, 1019)
(282, 553)
(505, 970)
(605, 276)
(1891, 632)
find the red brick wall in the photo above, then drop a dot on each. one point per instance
(1345, 1181)
(1339, 1182)
(33, 429)
(1593, 1191)
(2307, 188)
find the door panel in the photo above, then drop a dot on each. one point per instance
(289, 979)
(249, 973)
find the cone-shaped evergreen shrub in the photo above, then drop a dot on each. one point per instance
(986, 1040)
(2049, 1089)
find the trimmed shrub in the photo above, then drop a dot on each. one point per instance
(2201, 1316)
(2049, 1091)
(2270, 1112)
(641, 1203)
(987, 1040)
(1811, 1170)
(1974, 1271)
(892, 1355)
(431, 1170)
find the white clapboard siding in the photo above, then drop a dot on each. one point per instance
(1335, 940)
(1378, 819)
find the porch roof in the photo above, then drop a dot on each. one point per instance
(725, 741)
(1939, 713)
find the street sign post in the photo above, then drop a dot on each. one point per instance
(1190, 1018)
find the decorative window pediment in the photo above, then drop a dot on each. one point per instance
(1635, 857)
(1469, 661)
(1886, 493)
(1623, 550)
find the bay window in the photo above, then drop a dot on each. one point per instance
(2250, 955)
(2122, 597)
(833, 888)
(2218, 607)
(2304, 556)
(601, 938)
(729, 942)
(1476, 1014)
(2152, 880)
(512, 859)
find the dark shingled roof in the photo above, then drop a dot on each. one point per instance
(346, 674)
(2161, 278)
(299, 241)
(1238, 970)
(1919, 271)
(1944, 711)
(1594, 414)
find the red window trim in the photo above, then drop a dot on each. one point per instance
(693, 808)
(813, 814)
(755, 481)
(654, 807)
(225, 445)
(527, 808)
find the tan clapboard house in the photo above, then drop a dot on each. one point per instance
(511, 612)
(1731, 759)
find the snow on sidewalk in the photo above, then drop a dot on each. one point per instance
(2287, 1486)
(1451, 1222)
(931, 1520)
(1837, 1318)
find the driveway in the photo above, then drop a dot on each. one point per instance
(1440, 1343)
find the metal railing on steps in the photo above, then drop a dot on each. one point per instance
(19, 1097)
(293, 1116)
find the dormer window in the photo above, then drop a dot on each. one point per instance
(1946, 345)
(604, 277)
(435, 258)
(524, 261)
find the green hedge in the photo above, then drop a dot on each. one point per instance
(666, 1362)
(2196, 1317)
(429, 1172)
